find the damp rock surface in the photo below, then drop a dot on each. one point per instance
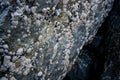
(99, 60)
(40, 39)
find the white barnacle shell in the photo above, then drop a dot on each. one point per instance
(18, 12)
(5, 46)
(55, 47)
(65, 1)
(44, 10)
(69, 13)
(6, 60)
(33, 9)
(38, 22)
(49, 1)
(12, 78)
(27, 8)
(40, 37)
(29, 50)
(14, 23)
(19, 51)
(4, 78)
(40, 73)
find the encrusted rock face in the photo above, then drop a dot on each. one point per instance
(42, 38)
(100, 59)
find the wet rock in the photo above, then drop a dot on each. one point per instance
(102, 54)
(20, 51)
(4, 78)
(55, 31)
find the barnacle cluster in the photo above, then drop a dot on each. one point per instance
(44, 37)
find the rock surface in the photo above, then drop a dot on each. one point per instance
(40, 39)
(100, 60)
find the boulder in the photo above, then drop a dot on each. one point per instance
(99, 60)
(40, 39)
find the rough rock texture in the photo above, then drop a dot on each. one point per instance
(100, 60)
(40, 39)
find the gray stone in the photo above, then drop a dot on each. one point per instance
(63, 35)
(99, 60)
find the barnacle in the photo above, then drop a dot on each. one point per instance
(46, 36)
